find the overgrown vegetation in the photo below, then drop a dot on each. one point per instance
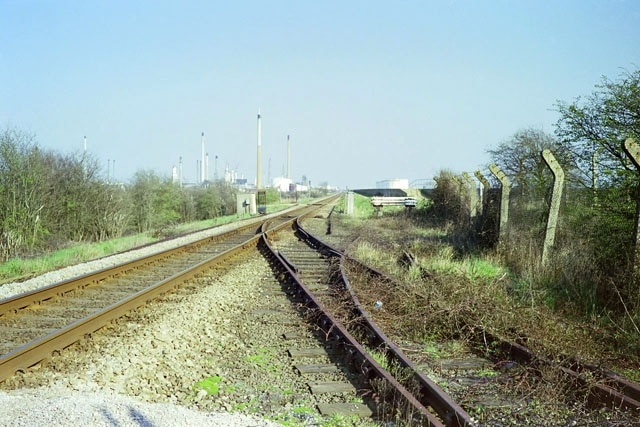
(50, 201)
(586, 299)
(17, 268)
(592, 273)
(444, 293)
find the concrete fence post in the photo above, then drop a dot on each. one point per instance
(632, 149)
(350, 203)
(554, 207)
(484, 194)
(505, 191)
(472, 188)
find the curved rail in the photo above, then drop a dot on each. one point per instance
(429, 394)
(356, 355)
(604, 387)
(48, 341)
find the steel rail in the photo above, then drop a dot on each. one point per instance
(37, 296)
(356, 355)
(430, 394)
(38, 350)
(603, 387)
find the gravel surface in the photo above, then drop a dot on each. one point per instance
(159, 366)
(61, 407)
(175, 352)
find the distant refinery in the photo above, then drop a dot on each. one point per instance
(282, 183)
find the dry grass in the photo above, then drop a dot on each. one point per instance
(442, 293)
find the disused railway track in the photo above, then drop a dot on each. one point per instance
(600, 388)
(307, 270)
(314, 268)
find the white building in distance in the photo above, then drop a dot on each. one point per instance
(399, 183)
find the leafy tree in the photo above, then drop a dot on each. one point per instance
(215, 200)
(227, 197)
(71, 185)
(208, 203)
(595, 129)
(109, 211)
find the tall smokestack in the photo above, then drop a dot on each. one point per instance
(202, 159)
(288, 158)
(180, 172)
(206, 168)
(259, 172)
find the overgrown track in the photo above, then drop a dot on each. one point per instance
(603, 387)
(599, 387)
(36, 324)
(428, 393)
(309, 265)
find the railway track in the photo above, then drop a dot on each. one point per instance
(491, 363)
(41, 324)
(315, 268)
(36, 324)
(344, 363)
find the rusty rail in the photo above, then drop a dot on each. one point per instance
(355, 354)
(41, 348)
(430, 394)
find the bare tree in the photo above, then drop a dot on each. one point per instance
(520, 159)
(22, 189)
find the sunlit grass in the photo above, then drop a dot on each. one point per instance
(367, 253)
(361, 206)
(19, 268)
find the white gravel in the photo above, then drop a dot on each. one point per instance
(61, 407)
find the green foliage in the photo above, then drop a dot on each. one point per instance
(210, 384)
(273, 195)
(54, 259)
(449, 199)
(594, 129)
(17, 267)
(22, 190)
(213, 201)
(156, 201)
(264, 358)
(362, 207)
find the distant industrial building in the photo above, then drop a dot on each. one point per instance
(401, 184)
(282, 184)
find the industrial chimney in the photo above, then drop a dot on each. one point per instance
(259, 172)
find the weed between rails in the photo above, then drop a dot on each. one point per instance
(441, 295)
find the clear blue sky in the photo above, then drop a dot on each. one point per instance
(367, 90)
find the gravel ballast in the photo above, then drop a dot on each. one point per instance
(143, 370)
